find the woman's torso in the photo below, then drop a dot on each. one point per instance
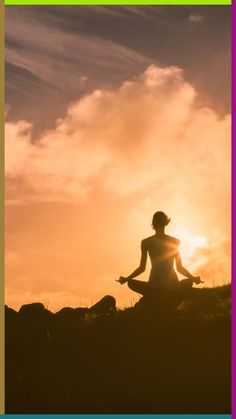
(162, 250)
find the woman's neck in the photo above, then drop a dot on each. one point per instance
(160, 231)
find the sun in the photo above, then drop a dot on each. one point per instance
(189, 243)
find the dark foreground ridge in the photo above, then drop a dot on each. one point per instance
(151, 358)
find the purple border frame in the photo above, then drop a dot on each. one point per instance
(233, 46)
(233, 209)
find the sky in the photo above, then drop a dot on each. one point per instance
(113, 113)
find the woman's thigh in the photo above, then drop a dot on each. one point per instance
(141, 287)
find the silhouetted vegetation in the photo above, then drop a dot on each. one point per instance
(151, 358)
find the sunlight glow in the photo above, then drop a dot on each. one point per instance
(189, 243)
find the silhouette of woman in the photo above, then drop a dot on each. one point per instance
(163, 252)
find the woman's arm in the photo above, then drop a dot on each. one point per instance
(180, 267)
(140, 269)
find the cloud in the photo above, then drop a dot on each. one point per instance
(48, 58)
(212, 261)
(195, 18)
(125, 152)
(145, 134)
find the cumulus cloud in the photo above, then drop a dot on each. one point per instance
(146, 133)
(146, 146)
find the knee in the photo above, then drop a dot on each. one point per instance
(186, 284)
(131, 284)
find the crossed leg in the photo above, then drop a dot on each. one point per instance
(141, 287)
(144, 288)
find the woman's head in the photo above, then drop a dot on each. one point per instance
(160, 220)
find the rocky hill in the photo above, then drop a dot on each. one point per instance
(151, 358)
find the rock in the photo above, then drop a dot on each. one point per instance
(32, 310)
(10, 314)
(69, 313)
(106, 305)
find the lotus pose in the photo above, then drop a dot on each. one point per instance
(163, 251)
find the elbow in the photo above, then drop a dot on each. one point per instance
(180, 268)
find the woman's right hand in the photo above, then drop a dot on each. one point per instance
(122, 280)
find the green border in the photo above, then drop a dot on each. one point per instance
(118, 2)
(2, 89)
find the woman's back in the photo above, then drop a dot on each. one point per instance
(162, 250)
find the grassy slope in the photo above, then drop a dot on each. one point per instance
(139, 360)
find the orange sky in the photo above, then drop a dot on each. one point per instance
(80, 197)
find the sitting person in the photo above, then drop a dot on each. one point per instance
(163, 251)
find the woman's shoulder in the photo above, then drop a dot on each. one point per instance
(147, 240)
(173, 240)
(152, 239)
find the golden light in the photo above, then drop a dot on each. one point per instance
(189, 243)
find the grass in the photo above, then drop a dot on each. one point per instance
(143, 359)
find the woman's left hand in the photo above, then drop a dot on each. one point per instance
(197, 280)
